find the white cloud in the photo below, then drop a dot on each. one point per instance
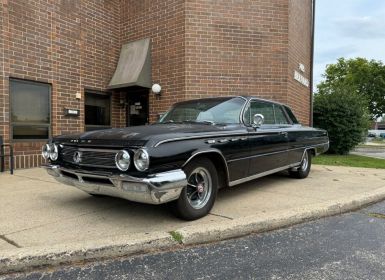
(366, 27)
(349, 29)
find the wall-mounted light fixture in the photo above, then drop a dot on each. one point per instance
(156, 88)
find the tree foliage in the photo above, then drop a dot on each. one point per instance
(359, 75)
(344, 115)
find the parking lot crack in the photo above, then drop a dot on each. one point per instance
(376, 215)
(222, 216)
(9, 241)
(32, 178)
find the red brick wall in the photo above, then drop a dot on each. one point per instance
(199, 48)
(4, 108)
(300, 20)
(164, 22)
(206, 48)
(73, 45)
(237, 48)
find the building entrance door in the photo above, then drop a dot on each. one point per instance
(137, 106)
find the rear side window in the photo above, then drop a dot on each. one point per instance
(266, 109)
(291, 115)
(280, 117)
(272, 113)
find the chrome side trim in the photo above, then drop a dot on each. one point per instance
(200, 137)
(229, 134)
(259, 175)
(322, 144)
(261, 155)
(284, 151)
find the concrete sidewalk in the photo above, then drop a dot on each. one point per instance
(371, 150)
(45, 223)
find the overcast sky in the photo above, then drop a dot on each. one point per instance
(348, 28)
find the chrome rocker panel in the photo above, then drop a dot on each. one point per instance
(155, 189)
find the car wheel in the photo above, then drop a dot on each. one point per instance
(304, 169)
(198, 197)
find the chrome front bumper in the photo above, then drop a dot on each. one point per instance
(154, 189)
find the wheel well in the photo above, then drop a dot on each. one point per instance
(312, 151)
(219, 163)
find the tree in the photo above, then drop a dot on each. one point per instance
(344, 115)
(367, 78)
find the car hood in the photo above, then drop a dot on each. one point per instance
(143, 135)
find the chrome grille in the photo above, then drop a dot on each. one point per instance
(89, 157)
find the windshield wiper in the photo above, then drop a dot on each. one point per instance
(204, 122)
(190, 121)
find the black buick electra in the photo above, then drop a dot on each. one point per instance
(196, 148)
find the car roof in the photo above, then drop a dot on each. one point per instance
(261, 99)
(224, 98)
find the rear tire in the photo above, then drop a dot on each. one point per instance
(198, 197)
(303, 170)
(97, 195)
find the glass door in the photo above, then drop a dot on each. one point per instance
(137, 107)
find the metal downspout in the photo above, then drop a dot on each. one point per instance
(312, 62)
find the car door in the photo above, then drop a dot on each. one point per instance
(297, 137)
(268, 144)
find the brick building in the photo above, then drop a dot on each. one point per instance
(58, 57)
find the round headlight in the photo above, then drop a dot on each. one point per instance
(54, 153)
(122, 160)
(141, 160)
(45, 151)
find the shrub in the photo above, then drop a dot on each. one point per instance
(344, 115)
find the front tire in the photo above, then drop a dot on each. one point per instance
(198, 197)
(303, 170)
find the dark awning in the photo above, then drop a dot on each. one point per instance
(134, 66)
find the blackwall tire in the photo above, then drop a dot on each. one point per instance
(97, 195)
(198, 197)
(304, 169)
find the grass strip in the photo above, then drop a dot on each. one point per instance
(176, 236)
(350, 160)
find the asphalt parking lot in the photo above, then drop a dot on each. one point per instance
(39, 215)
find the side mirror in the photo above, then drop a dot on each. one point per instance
(258, 120)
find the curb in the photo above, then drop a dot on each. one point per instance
(35, 257)
(275, 220)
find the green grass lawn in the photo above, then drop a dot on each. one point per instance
(350, 160)
(379, 140)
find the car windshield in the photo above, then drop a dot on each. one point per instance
(214, 111)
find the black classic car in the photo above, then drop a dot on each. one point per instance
(196, 148)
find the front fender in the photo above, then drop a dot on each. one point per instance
(169, 156)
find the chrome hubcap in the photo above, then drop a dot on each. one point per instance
(305, 162)
(199, 187)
